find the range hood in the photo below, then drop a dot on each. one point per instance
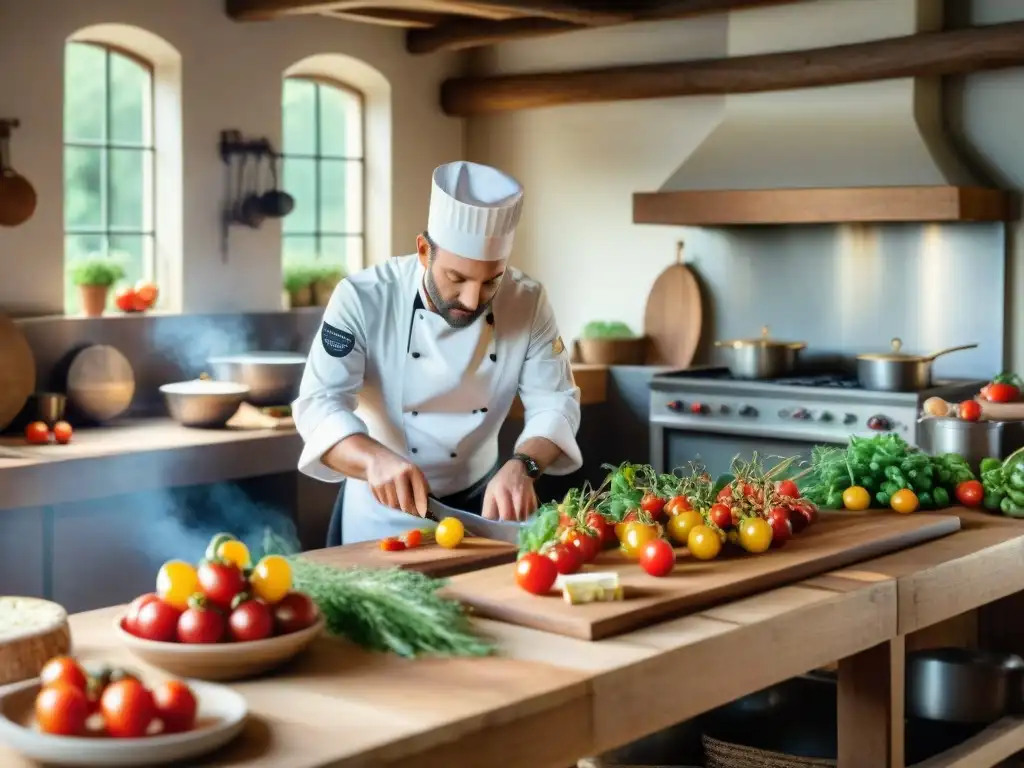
(868, 152)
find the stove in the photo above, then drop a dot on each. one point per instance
(708, 415)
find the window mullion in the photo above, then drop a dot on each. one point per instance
(317, 149)
(106, 152)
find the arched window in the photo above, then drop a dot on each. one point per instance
(109, 173)
(322, 168)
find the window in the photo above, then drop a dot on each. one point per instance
(108, 161)
(322, 168)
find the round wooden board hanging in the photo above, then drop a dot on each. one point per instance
(672, 319)
(101, 382)
(17, 370)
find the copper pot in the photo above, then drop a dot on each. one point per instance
(17, 196)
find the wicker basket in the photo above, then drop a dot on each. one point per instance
(597, 762)
(722, 754)
(613, 351)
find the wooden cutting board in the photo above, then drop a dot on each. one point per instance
(472, 554)
(17, 370)
(673, 316)
(838, 539)
(101, 382)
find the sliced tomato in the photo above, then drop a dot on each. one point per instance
(392, 544)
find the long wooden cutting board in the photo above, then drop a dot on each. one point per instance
(838, 539)
(431, 559)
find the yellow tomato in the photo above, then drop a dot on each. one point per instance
(235, 552)
(704, 543)
(904, 501)
(635, 537)
(681, 523)
(271, 579)
(176, 582)
(755, 534)
(449, 532)
(856, 498)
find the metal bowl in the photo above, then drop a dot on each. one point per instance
(272, 377)
(203, 403)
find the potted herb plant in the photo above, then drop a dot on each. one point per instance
(611, 343)
(95, 276)
(298, 285)
(327, 279)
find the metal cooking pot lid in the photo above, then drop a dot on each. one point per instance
(764, 341)
(903, 357)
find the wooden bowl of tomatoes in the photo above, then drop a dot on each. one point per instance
(224, 619)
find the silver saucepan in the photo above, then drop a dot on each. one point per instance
(897, 371)
(762, 358)
(272, 377)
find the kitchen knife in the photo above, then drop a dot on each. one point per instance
(475, 524)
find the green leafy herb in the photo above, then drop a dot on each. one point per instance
(96, 271)
(599, 329)
(541, 528)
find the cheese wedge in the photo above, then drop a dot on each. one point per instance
(601, 587)
(32, 631)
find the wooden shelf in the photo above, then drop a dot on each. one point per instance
(592, 381)
(821, 206)
(988, 749)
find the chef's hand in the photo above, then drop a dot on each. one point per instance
(397, 483)
(510, 494)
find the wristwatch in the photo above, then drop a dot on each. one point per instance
(532, 470)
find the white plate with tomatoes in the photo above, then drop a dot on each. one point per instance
(58, 721)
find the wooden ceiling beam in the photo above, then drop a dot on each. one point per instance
(392, 18)
(572, 13)
(459, 34)
(995, 46)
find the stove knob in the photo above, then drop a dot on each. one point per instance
(783, 413)
(879, 423)
(724, 409)
(674, 405)
(698, 408)
(849, 418)
(801, 413)
(825, 416)
(748, 411)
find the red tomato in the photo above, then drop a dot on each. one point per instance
(678, 504)
(587, 546)
(412, 538)
(998, 392)
(62, 709)
(653, 505)
(251, 620)
(604, 530)
(721, 515)
(62, 432)
(220, 582)
(156, 620)
(782, 528)
(200, 625)
(788, 488)
(126, 300)
(970, 410)
(567, 558)
(657, 557)
(392, 544)
(293, 612)
(798, 519)
(175, 706)
(970, 493)
(147, 293)
(631, 517)
(64, 669)
(725, 495)
(536, 573)
(127, 708)
(37, 433)
(133, 609)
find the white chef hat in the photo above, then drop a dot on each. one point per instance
(474, 210)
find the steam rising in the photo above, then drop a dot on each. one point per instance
(191, 341)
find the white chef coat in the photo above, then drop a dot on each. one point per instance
(385, 366)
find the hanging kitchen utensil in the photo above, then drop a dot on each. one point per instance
(17, 196)
(17, 370)
(275, 203)
(673, 315)
(101, 382)
(762, 358)
(897, 371)
(252, 214)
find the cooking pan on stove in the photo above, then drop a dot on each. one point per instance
(897, 371)
(762, 358)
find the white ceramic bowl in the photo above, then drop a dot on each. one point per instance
(219, 661)
(220, 718)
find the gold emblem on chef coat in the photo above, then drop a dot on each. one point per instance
(557, 346)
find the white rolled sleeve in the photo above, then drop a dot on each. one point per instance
(324, 411)
(550, 397)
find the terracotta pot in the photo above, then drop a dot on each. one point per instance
(612, 351)
(323, 290)
(301, 297)
(93, 299)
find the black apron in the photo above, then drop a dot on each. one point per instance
(470, 500)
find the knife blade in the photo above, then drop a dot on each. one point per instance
(495, 530)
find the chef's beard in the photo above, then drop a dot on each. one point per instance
(445, 307)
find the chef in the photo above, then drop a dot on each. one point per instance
(417, 362)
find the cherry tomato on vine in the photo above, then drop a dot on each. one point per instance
(704, 542)
(567, 558)
(721, 515)
(680, 525)
(788, 488)
(653, 505)
(755, 534)
(970, 493)
(657, 557)
(536, 573)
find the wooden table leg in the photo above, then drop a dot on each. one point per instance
(870, 707)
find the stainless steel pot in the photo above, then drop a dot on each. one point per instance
(961, 685)
(272, 377)
(974, 440)
(762, 358)
(203, 403)
(897, 371)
